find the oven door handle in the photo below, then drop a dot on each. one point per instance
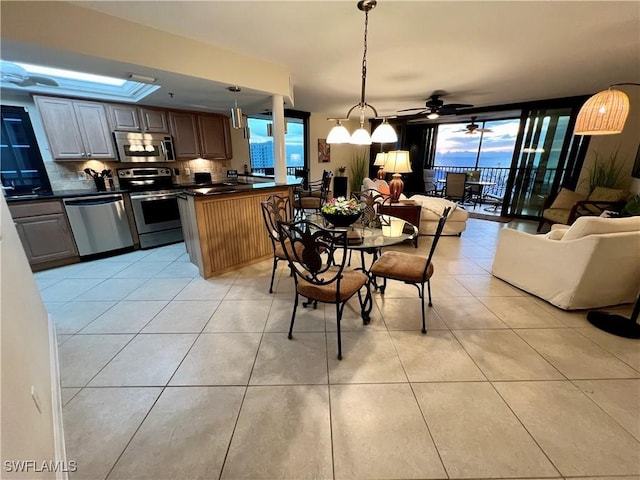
(146, 198)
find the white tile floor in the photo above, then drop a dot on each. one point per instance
(168, 376)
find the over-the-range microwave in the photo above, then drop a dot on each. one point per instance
(144, 147)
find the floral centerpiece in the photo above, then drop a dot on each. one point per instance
(341, 212)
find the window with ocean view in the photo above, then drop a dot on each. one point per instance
(261, 143)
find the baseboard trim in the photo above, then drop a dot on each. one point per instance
(56, 402)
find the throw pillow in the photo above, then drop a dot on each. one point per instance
(607, 194)
(556, 234)
(567, 198)
(383, 188)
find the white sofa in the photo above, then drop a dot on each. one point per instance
(593, 263)
(432, 208)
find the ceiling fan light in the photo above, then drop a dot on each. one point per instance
(360, 137)
(433, 116)
(605, 113)
(338, 134)
(384, 133)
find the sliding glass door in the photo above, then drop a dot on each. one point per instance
(539, 164)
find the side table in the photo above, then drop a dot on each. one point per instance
(409, 212)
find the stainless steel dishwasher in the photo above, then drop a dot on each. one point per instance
(99, 223)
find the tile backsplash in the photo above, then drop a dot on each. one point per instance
(69, 175)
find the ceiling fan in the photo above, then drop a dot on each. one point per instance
(434, 107)
(473, 128)
(13, 73)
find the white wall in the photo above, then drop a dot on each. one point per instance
(27, 434)
(626, 143)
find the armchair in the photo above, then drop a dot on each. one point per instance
(569, 205)
(594, 263)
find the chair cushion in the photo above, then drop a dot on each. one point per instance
(558, 215)
(350, 283)
(607, 194)
(279, 252)
(567, 198)
(310, 202)
(401, 266)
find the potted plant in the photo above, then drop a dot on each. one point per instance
(341, 212)
(341, 171)
(605, 171)
(359, 169)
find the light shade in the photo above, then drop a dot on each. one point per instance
(380, 159)
(237, 120)
(360, 137)
(398, 161)
(603, 114)
(384, 133)
(338, 134)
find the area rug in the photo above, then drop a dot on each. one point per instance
(492, 218)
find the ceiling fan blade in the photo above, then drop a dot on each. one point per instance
(484, 130)
(411, 109)
(40, 80)
(457, 105)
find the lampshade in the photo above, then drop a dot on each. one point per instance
(338, 134)
(384, 133)
(603, 114)
(398, 162)
(380, 159)
(360, 137)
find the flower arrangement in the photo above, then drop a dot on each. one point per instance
(342, 206)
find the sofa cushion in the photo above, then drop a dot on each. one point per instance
(567, 198)
(558, 215)
(434, 205)
(555, 234)
(584, 226)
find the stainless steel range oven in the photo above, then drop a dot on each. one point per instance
(154, 203)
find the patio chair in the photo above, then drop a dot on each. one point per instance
(410, 268)
(430, 184)
(317, 258)
(474, 192)
(276, 209)
(456, 187)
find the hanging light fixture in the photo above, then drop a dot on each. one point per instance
(385, 132)
(237, 120)
(605, 113)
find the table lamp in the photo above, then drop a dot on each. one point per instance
(397, 162)
(379, 162)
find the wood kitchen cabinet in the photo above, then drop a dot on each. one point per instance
(45, 234)
(200, 135)
(130, 118)
(76, 129)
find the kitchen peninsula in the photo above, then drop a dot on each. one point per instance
(223, 226)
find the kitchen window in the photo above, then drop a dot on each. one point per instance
(22, 170)
(296, 141)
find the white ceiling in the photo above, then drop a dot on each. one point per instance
(479, 52)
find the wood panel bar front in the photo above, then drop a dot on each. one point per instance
(226, 231)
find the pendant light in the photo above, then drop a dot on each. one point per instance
(237, 120)
(605, 113)
(385, 132)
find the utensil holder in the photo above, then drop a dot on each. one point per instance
(100, 185)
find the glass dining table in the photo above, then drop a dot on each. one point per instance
(369, 240)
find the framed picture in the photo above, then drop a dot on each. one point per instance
(636, 165)
(324, 151)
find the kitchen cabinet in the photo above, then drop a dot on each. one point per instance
(76, 129)
(45, 234)
(130, 118)
(200, 135)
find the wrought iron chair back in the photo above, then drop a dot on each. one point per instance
(276, 209)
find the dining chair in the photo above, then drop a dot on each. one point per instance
(456, 186)
(313, 197)
(410, 268)
(276, 209)
(317, 258)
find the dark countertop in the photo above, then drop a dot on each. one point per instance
(59, 194)
(221, 189)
